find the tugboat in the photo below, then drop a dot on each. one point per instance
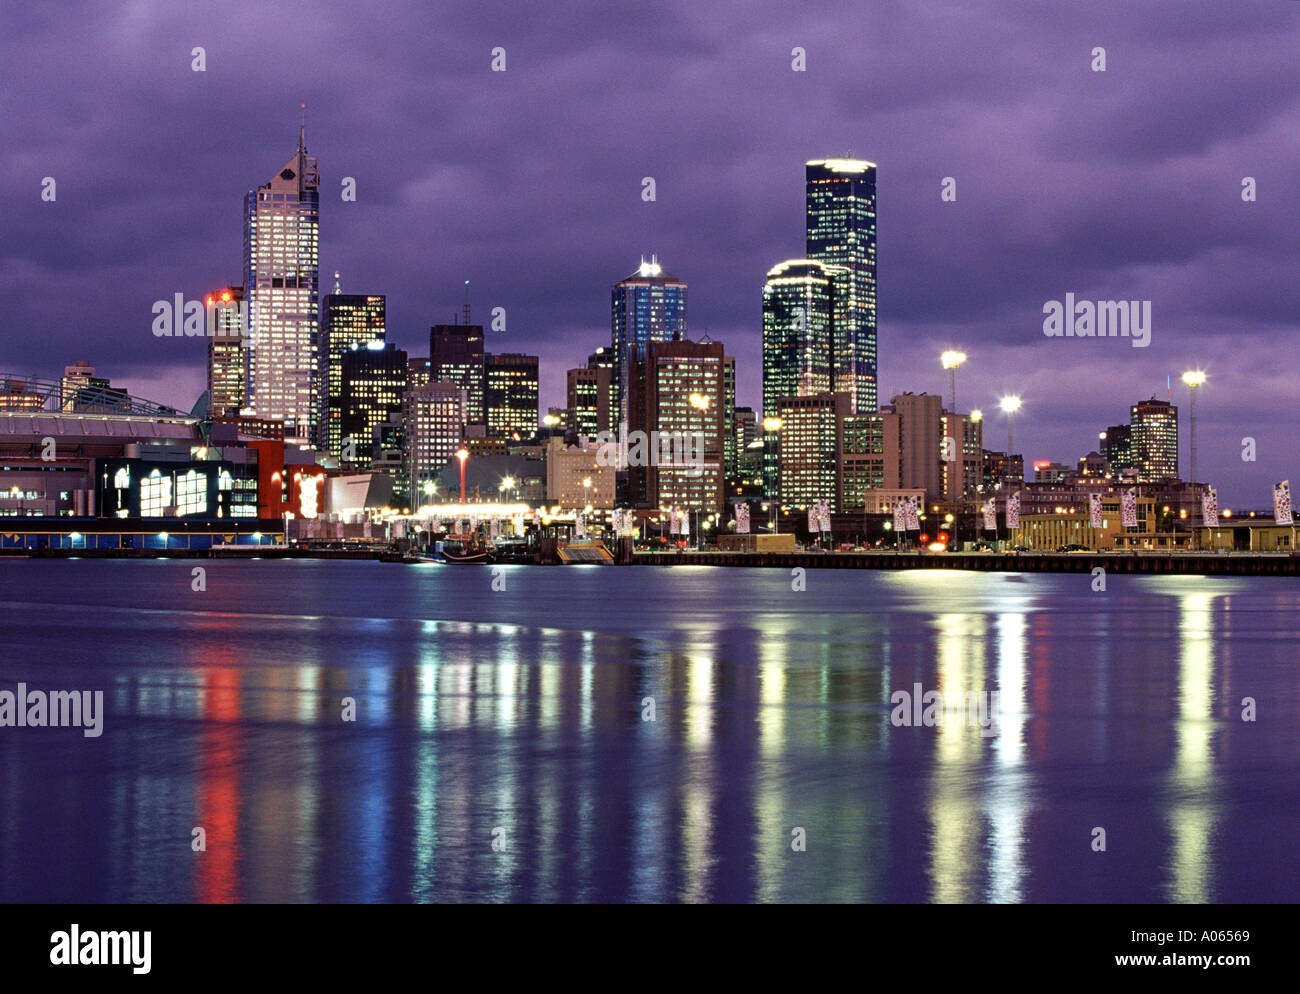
(463, 550)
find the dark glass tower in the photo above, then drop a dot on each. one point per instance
(798, 303)
(373, 379)
(841, 210)
(456, 356)
(648, 306)
(350, 319)
(511, 396)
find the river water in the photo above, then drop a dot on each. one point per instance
(501, 746)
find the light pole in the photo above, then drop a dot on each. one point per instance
(462, 454)
(950, 360)
(771, 456)
(1009, 404)
(1193, 378)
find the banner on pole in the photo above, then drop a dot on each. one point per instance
(1128, 509)
(1282, 503)
(1094, 510)
(1210, 508)
(742, 519)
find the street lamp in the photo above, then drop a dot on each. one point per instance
(1009, 404)
(1193, 378)
(462, 454)
(950, 360)
(771, 429)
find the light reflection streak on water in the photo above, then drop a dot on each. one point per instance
(769, 804)
(1192, 809)
(1008, 806)
(954, 813)
(698, 786)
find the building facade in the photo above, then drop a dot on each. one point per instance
(348, 320)
(372, 382)
(648, 306)
(282, 283)
(511, 395)
(841, 231)
(456, 356)
(798, 308)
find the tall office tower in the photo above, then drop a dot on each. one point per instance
(868, 457)
(587, 397)
(348, 320)
(648, 306)
(809, 449)
(227, 332)
(798, 301)
(676, 398)
(729, 451)
(1117, 448)
(433, 423)
(962, 460)
(1154, 431)
(282, 283)
(920, 437)
(372, 380)
(456, 356)
(511, 396)
(82, 392)
(841, 209)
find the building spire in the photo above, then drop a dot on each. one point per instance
(337, 288)
(302, 129)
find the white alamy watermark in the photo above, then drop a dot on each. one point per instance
(927, 708)
(77, 948)
(675, 449)
(181, 318)
(1129, 319)
(25, 708)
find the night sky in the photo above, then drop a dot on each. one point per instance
(1121, 184)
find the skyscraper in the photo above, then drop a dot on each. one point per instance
(797, 317)
(1117, 447)
(808, 470)
(841, 231)
(227, 351)
(587, 398)
(1153, 426)
(82, 392)
(676, 401)
(372, 380)
(433, 423)
(349, 319)
(511, 395)
(282, 281)
(648, 306)
(456, 356)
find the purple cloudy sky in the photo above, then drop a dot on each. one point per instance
(1122, 184)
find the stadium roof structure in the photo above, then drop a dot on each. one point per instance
(34, 395)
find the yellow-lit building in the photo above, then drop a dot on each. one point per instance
(1048, 532)
(1247, 536)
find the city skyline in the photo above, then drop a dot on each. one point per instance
(524, 247)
